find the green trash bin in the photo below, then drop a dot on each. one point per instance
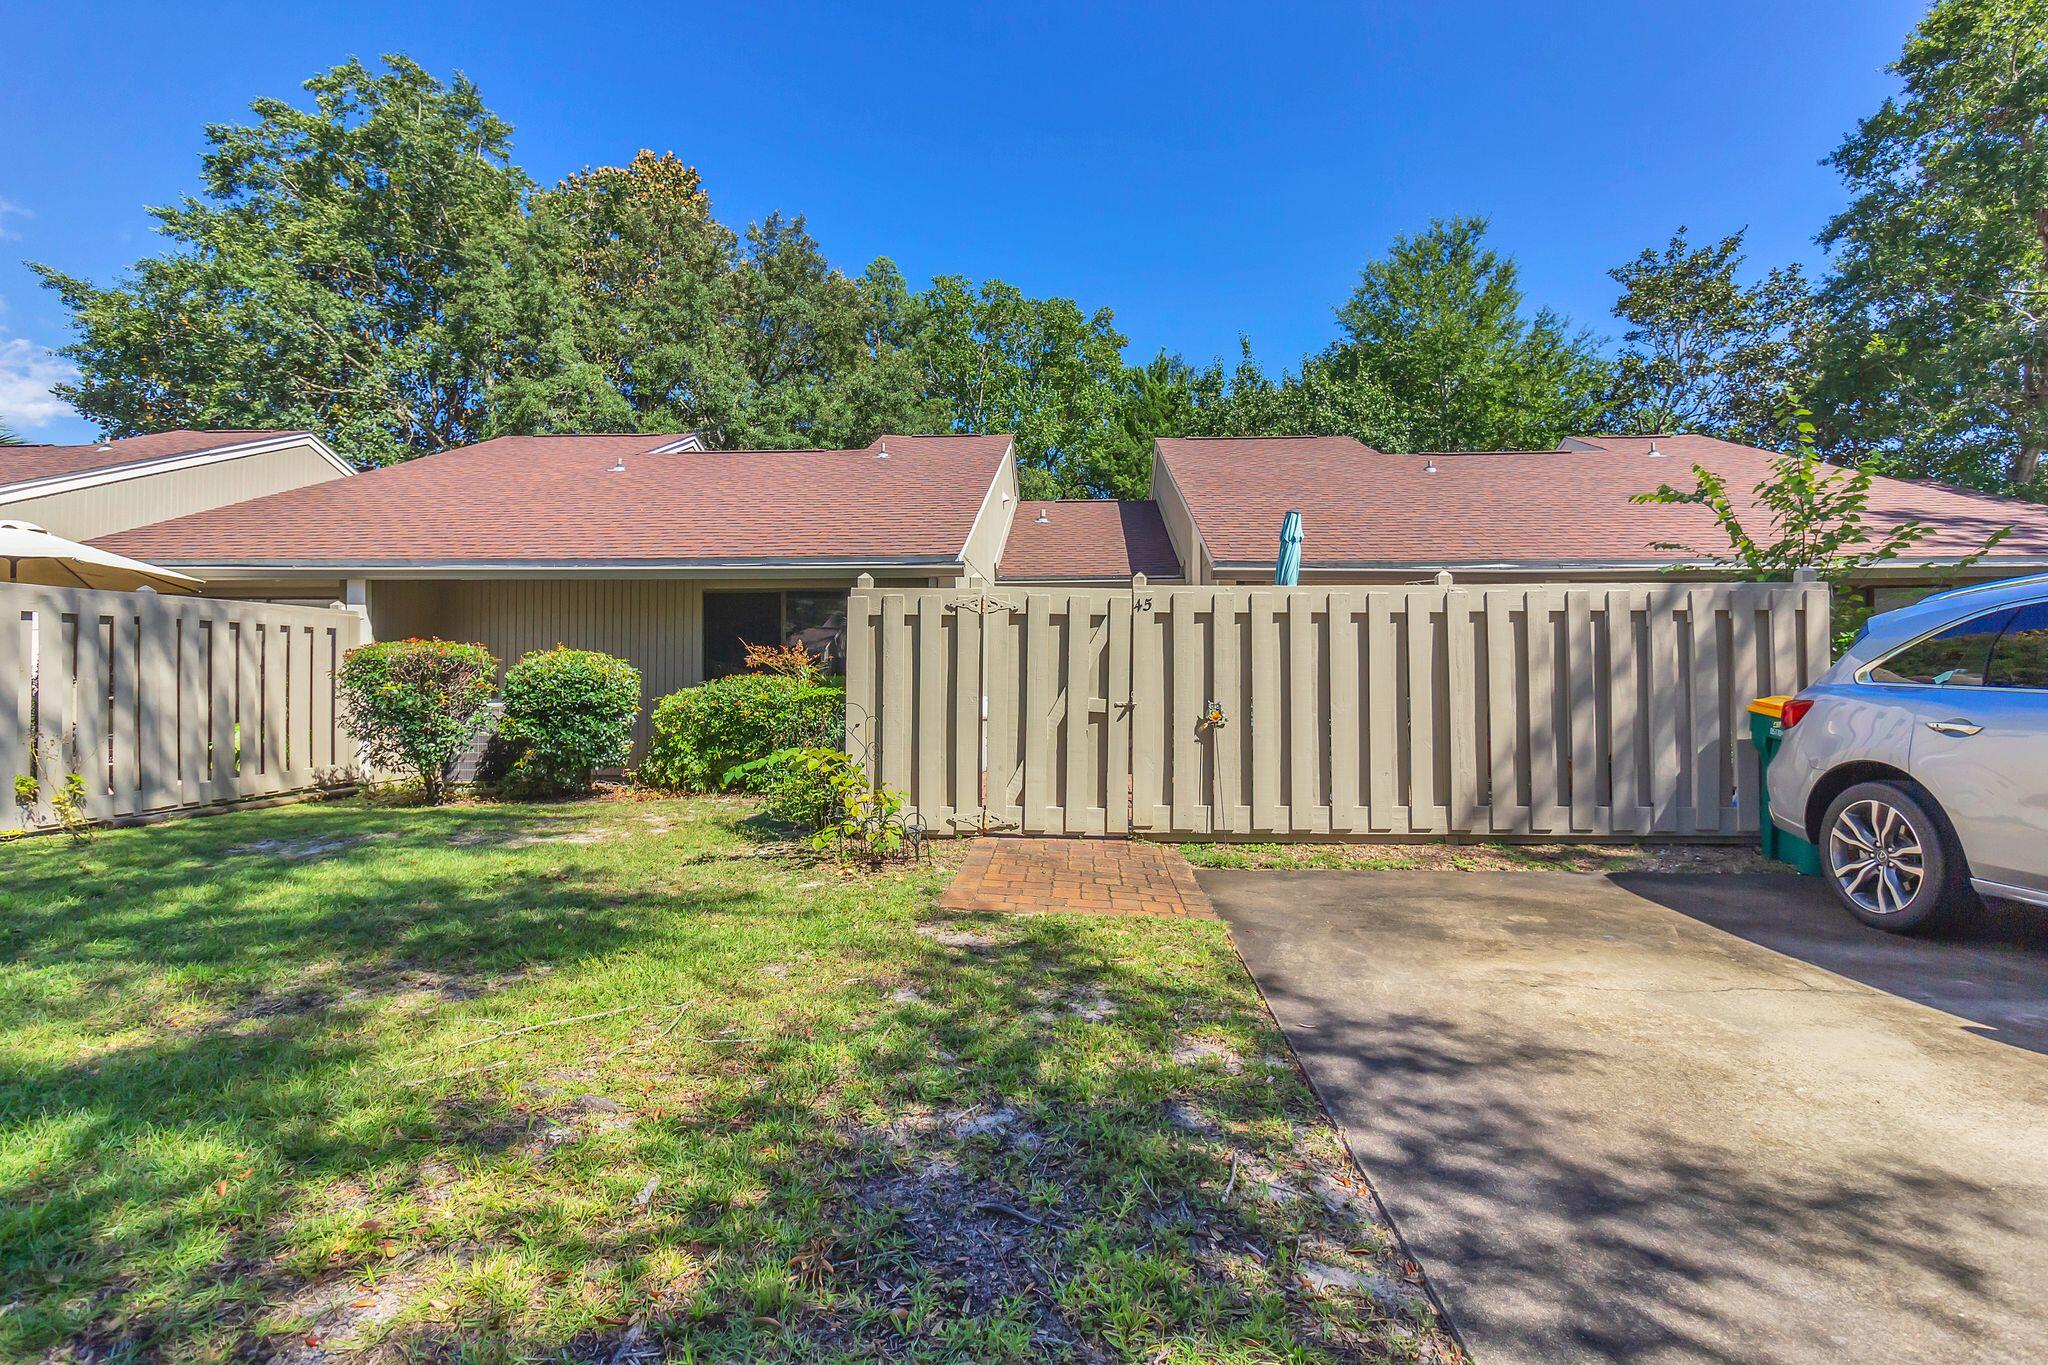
(1768, 734)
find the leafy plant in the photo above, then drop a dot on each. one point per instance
(787, 661)
(868, 824)
(68, 804)
(568, 712)
(702, 734)
(416, 704)
(801, 784)
(1815, 520)
(26, 790)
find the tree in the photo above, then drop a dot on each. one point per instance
(1704, 352)
(1814, 520)
(8, 436)
(995, 359)
(1437, 325)
(319, 274)
(644, 286)
(1936, 360)
(826, 355)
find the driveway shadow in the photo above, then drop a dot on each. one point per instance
(1993, 973)
(1658, 1117)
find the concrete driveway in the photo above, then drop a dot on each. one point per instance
(1666, 1117)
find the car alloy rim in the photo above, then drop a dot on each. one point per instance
(1875, 854)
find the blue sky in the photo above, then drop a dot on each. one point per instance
(1204, 169)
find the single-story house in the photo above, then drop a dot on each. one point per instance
(671, 555)
(83, 491)
(648, 546)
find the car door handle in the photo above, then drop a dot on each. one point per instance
(1958, 727)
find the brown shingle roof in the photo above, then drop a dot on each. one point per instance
(1096, 539)
(23, 464)
(1361, 507)
(557, 500)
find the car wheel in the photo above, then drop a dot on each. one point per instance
(1891, 860)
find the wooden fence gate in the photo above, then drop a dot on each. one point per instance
(165, 703)
(1554, 709)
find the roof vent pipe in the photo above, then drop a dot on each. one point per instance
(618, 466)
(1655, 453)
(1043, 519)
(1429, 468)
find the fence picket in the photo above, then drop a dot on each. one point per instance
(1347, 801)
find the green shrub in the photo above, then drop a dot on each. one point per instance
(416, 704)
(568, 712)
(702, 734)
(802, 784)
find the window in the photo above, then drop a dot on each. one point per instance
(734, 620)
(2020, 659)
(815, 619)
(1957, 657)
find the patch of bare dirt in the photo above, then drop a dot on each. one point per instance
(303, 850)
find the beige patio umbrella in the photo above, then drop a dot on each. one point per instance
(29, 554)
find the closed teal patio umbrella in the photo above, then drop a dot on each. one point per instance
(1287, 572)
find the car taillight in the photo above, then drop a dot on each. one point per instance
(1795, 709)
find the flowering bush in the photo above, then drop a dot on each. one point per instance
(415, 705)
(568, 712)
(703, 734)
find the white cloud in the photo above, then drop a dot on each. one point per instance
(27, 374)
(10, 209)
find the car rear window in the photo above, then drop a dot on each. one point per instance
(2020, 658)
(1957, 657)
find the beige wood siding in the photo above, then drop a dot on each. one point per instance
(101, 509)
(984, 548)
(656, 624)
(1180, 525)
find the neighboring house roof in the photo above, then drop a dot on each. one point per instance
(1567, 507)
(597, 501)
(1088, 540)
(42, 465)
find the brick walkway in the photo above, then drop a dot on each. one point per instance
(1077, 876)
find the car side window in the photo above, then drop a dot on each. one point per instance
(2020, 658)
(1957, 657)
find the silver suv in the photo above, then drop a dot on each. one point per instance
(1919, 762)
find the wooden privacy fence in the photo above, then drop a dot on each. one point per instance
(1553, 709)
(166, 703)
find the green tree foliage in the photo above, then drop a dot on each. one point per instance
(1705, 352)
(317, 277)
(8, 436)
(995, 360)
(1438, 325)
(1806, 514)
(1937, 356)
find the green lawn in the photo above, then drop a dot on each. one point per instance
(618, 1079)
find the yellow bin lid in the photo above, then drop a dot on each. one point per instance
(1774, 707)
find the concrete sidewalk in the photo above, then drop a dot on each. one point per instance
(1662, 1117)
